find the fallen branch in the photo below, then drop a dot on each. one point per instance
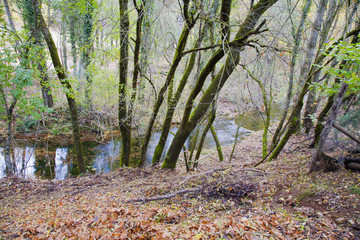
(221, 169)
(162, 197)
(351, 159)
(343, 130)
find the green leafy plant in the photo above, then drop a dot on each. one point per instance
(348, 55)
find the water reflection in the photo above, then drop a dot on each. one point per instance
(106, 156)
(57, 162)
(23, 159)
(61, 166)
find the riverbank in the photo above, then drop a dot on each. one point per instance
(231, 201)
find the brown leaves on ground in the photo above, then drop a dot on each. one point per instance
(276, 201)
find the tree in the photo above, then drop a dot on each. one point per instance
(28, 13)
(125, 126)
(16, 76)
(173, 99)
(190, 20)
(87, 45)
(347, 75)
(294, 118)
(65, 83)
(191, 118)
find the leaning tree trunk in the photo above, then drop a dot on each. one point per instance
(318, 161)
(319, 121)
(189, 122)
(169, 79)
(294, 119)
(311, 104)
(66, 84)
(306, 67)
(173, 100)
(294, 56)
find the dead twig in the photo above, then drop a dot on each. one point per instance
(162, 197)
(200, 174)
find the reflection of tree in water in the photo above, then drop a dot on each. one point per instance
(53, 161)
(45, 162)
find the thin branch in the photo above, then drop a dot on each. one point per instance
(162, 197)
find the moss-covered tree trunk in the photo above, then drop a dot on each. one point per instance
(32, 25)
(267, 103)
(88, 46)
(66, 84)
(169, 78)
(123, 66)
(187, 123)
(173, 101)
(73, 43)
(145, 46)
(294, 119)
(209, 126)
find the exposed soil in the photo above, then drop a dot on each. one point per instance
(234, 201)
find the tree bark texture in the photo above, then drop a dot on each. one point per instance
(124, 54)
(88, 47)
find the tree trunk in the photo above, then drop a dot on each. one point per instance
(217, 143)
(45, 83)
(318, 162)
(73, 44)
(172, 103)
(295, 52)
(10, 166)
(63, 44)
(311, 104)
(169, 78)
(34, 29)
(187, 123)
(124, 54)
(88, 47)
(294, 118)
(145, 46)
(319, 121)
(66, 84)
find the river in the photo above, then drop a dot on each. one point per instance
(56, 162)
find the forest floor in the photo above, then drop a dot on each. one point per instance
(277, 200)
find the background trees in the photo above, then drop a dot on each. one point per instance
(151, 64)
